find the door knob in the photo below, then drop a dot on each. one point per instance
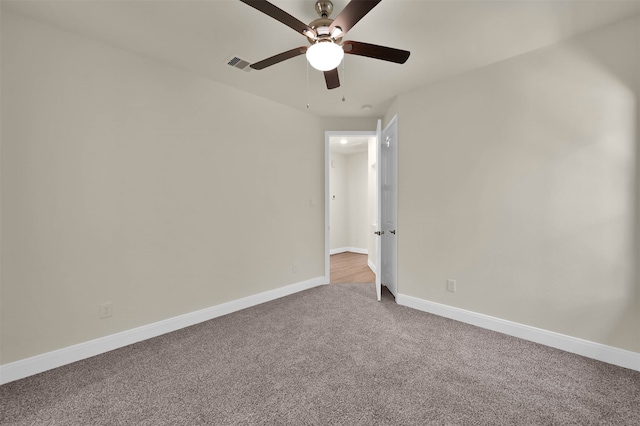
(393, 231)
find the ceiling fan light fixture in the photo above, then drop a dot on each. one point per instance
(325, 55)
(322, 30)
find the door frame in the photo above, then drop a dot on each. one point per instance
(327, 189)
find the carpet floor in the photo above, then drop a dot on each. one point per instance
(331, 355)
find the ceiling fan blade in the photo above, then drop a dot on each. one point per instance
(352, 13)
(278, 14)
(332, 79)
(279, 58)
(377, 52)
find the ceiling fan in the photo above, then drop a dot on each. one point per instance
(325, 36)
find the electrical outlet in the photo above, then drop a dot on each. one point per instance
(294, 268)
(106, 310)
(451, 285)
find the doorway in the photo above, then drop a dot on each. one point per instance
(350, 204)
(382, 244)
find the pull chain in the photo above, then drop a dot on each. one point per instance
(344, 79)
(307, 84)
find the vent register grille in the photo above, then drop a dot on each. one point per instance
(239, 63)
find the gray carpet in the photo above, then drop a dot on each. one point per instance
(329, 355)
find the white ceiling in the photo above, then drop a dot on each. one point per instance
(444, 37)
(353, 145)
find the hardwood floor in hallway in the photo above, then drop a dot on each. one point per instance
(350, 267)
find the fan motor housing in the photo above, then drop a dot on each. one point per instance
(319, 23)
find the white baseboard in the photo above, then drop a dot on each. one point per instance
(371, 266)
(349, 249)
(600, 352)
(47, 361)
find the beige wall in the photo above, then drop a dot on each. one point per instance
(348, 183)
(129, 181)
(354, 124)
(520, 181)
(358, 195)
(339, 201)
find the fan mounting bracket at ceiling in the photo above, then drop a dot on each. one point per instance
(324, 8)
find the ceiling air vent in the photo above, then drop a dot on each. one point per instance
(241, 64)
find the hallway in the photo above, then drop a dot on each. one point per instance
(350, 267)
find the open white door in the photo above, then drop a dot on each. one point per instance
(388, 165)
(378, 213)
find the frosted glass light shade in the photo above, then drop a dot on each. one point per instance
(325, 56)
